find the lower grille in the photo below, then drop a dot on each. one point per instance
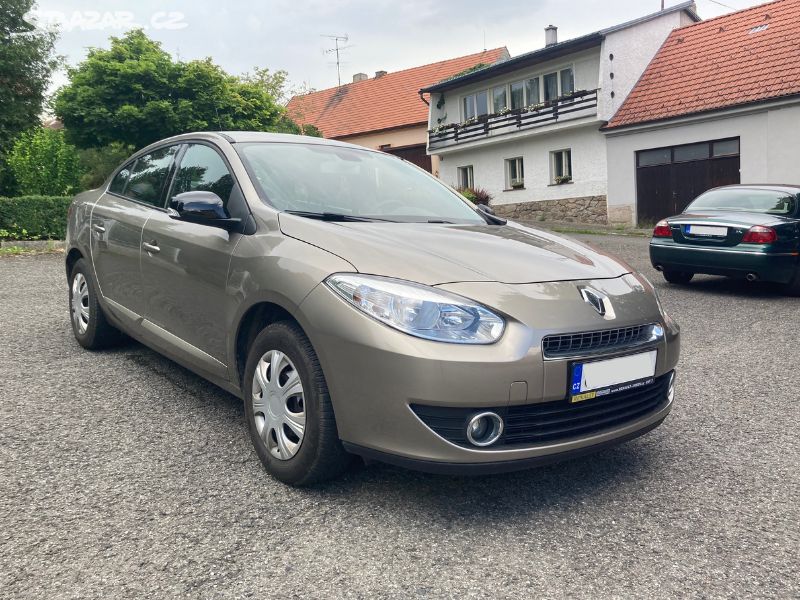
(551, 422)
(576, 344)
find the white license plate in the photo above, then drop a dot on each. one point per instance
(707, 230)
(602, 377)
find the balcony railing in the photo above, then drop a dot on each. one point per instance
(579, 104)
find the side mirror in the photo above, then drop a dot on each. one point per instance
(203, 208)
(488, 214)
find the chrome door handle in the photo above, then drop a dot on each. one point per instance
(152, 248)
(99, 228)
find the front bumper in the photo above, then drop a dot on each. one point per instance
(376, 374)
(730, 262)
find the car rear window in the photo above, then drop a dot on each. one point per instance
(746, 200)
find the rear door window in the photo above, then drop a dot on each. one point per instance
(121, 179)
(149, 175)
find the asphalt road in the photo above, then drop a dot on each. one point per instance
(124, 475)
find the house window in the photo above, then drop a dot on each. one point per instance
(532, 91)
(567, 81)
(517, 95)
(469, 107)
(515, 173)
(550, 86)
(499, 101)
(465, 177)
(561, 166)
(475, 105)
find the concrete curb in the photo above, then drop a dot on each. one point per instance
(573, 227)
(33, 244)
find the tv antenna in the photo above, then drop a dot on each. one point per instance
(337, 49)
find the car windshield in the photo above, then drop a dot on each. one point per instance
(318, 179)
(746, 200)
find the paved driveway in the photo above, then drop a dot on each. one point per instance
(124, 475)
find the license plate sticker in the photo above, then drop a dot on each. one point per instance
(602, 377)
(707, 230)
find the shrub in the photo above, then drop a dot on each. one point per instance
(34, 217)
(476, 195)
(43, 163)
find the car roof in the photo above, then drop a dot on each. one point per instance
(774, 187)
(243, 137)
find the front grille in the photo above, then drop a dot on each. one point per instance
(551, 422)
(577, 344)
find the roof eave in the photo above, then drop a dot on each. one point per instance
(523, 60)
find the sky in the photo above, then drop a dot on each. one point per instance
(382, 34)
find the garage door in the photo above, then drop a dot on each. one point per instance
(415, 154)
(668, 179)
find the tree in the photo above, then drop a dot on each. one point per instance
(44, 164)
(26, 63)
(134, 93)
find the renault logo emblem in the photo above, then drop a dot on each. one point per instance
(598, 301)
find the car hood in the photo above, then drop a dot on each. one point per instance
(434, 254)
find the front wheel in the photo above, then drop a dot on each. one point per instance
(678, 277)
(288, 408)
(89, 325)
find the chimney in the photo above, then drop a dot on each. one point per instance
(360, 77)
(379, 74)
(550, 35)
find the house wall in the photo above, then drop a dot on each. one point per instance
(585, 68)
(633, 49)
(769, 150)
(397, 138)
(488, 163)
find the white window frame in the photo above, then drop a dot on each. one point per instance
(469, 171)
(526, 101)
(519, 182)
(563, 152)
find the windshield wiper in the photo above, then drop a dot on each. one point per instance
(334, 217)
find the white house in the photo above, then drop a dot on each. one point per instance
(719, 104)
(528, 129)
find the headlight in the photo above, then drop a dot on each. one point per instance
(419, 310)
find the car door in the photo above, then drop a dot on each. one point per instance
(185, 265)
(117, 221)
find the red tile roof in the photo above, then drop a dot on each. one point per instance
(383, 103)
(747, 56)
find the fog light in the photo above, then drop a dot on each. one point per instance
(484, 429)
(671, 390)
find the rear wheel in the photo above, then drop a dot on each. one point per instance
(89, 324)
(793, 287)
(288, 408)
(678, 277)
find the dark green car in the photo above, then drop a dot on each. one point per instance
(745, 231)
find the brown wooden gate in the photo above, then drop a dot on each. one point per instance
(668, 179)
(413, 154)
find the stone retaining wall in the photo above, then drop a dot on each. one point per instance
(588, 209)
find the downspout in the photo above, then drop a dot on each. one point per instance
(422, 97)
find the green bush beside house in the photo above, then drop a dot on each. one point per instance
(34, 217)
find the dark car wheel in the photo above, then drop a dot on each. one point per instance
(793, 287)
(89, 324)
(679, 277)
(288, 409)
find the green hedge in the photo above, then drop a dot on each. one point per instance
(34, 217)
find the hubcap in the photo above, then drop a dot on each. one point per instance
(80, 303)
(279, 404)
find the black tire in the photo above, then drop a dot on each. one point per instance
(98, 332)
(320, 456)
(793, 287)
(677, 277)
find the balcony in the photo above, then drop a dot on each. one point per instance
(579, 104)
